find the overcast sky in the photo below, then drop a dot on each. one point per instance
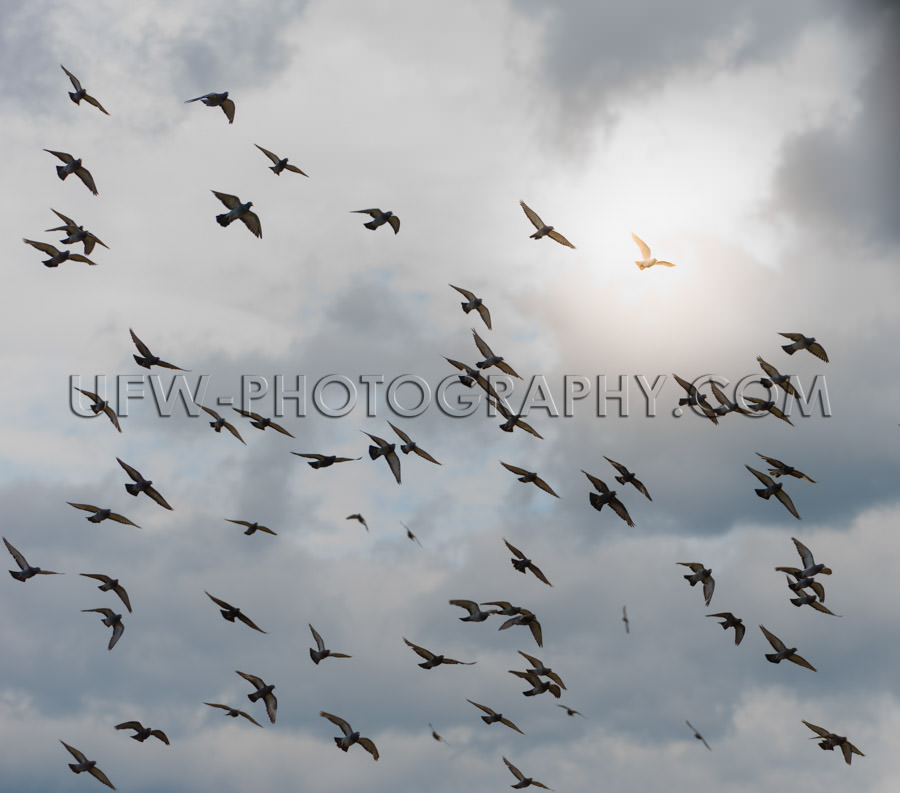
(752, 144)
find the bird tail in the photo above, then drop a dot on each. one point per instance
(596, 503)
(75, 98)
(372, 224)
(466, 307)
(19, 576)
(315, 463)
(74, 766)
(529, 693)
(763, 493)
(223, 219)
(690, 579)
(133, 489)
(374, 452)
(772, 658)
(312, 654)
(340, 745)
(486, 719)
(790, 349)
(640, 265)
(620, 480)
(254, 696)
(61, 171)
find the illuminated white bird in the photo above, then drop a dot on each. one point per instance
(648, 260)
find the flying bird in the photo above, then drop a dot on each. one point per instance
(810, 568)
(101, 514)
(322, 652)
(263, 692)
(801, 342)
(471, 376)
(434, 733)
(627, 476)
(142, 485)
(252, 527)
(647, 260)
(700, 574)
(147, 359)
(57, 256)
(218, 422)
(805, 598)
(217, 100)
(410, 535)
(783, 652)
(490, 359)
(625, 619)
(379, 218)
(774, 377)
(281, 163)
(831, 740)
(529, 476)
(99, 405)
(350, 737)
(730, 621)
(571, 711)
(513, 420)
(606, 496)
(80, 93)
(540, 670)
(493, 717)
(76, 233)
(231, 613)
(358, 517)
(782, 469)
(523, 563)
(431, 659)
(767, 406)
(386, 450)
(324, 460)
(696, 398)
(773, 488)
(233, 712)
(474, 303)
(543, 230)
(725, 404)
(111, 620)
(475, 613)
(697, 735)
(524, 781)
(26, 571)
(526, 617)
(110, 585)
(261, 423)
(73, 165)
(84, 764)
(238, 211)
(142, 733)
(409, 445)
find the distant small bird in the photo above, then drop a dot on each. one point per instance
(783, 652)
(801, 342)
(805, 598)
(542, 671)
(730, 621)
(767, 406)
(76, 233)
(231, 613)
(697, 735)
(379, 218)
(803, 582)
(810, 568)
(628, 477)
(321, 652)
(474, 303)
(571, 711)
(110, 585)
(73, 165)
(324, 460)
(513, 420)
(782, 469)
(606, 496)
(238, 211)
(99, 405)
(386, 450)
(264, 692)
(524, 781)
(493, 717)
(434, 733)
(261, 422)
(773, 488)
(475, 613)
(529, 476)
(25, 570)
(647, 260)
(543, 230)
(774, 377)
(409, 445)
(142, 733)
(471, 376)
(725, 404)
(142, 485)
(84, 764)
(111, 620)
(350, 737)
(507, 609)
(625, 620)
(101, 514)
(410, 535)
(57, 256)
(700, 574)
(490, 359)
(431, 659)
(281, 163)
(526, 617)
(218, 422)
(523, 563)
(233, 712)
(80, 93)
(696, 398)
(358, 517)
(147, 359)
(217, 100)
(831, 740)
(251, 527)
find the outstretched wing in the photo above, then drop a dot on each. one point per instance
(532, 216)
(230, 201)
(644, 248)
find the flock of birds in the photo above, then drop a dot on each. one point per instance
(802, 581)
